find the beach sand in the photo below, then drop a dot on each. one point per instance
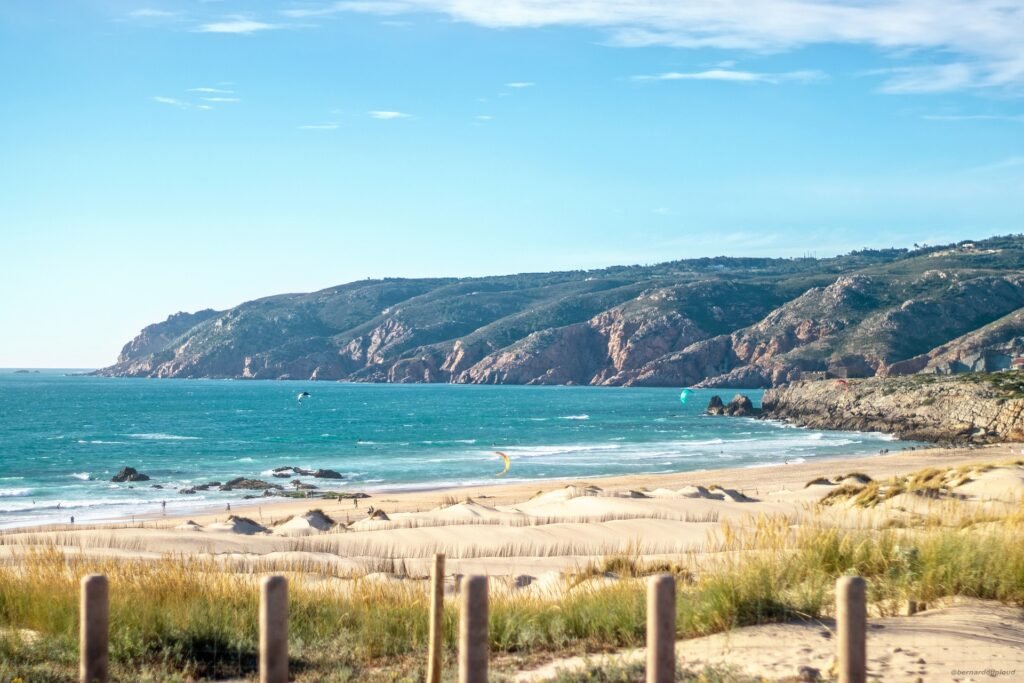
(529, 528)
(531, 538)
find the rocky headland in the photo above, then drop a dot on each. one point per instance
(972, 408)
(722, 322)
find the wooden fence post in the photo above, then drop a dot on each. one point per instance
(94, 629)
(436, 641)
(473, 637)
(274, 630)
(661, 629)
(851, 622)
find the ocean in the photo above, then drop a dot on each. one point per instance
(63, 437)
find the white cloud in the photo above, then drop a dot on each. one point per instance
(928, 79)
(236, 25)
(484, 117)
(802, 76)
(213, 91)
(388, 115)
(385, 7)
(180, 104)
(979, 39)
(222, 99)
(319, 126)
(147, 13)
(520, 84)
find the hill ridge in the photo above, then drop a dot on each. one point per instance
(743, 322)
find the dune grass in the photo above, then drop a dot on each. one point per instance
(187, 619)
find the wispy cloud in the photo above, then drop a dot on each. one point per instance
(237, 25)
(735, 76)
(222, 99)
(147, 13)
(213, 91)
(388, 115)
(927, 79)
(319, 126)
(980, 40)
(520, 84)
(484, 117)
(180, 104)
(384, 7)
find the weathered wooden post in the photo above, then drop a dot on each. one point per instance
(661, 629)
(436, 641)
(473, 638)
(851, 622)
(94, 629)
(274, 630)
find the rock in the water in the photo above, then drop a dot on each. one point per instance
(739, 406)
(129, 474)
(715, 406)
(327, 474)
(248, 484)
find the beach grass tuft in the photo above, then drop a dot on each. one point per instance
(183, 618)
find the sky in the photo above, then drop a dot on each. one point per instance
(167, 155)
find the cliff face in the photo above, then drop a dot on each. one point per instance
(708, 322)
(975, 408)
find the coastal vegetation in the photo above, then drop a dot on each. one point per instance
(182, 619)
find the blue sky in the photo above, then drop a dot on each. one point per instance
(178, 154)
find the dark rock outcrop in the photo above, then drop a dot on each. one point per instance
(715, 406)
(249, 485)
(740, 406)
(946, 409)
(129, 474)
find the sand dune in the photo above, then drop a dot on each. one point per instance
(930, 646)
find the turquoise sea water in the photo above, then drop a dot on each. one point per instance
(63, 437)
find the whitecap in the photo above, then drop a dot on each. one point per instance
(159, 436)
(84, 476)
(574, 417)
(14, 493)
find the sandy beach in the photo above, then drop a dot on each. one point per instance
(549, 540)
(531, 529)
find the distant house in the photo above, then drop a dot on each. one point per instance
(812, 375)
(1017, 363)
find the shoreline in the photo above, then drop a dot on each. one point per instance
(753, 479)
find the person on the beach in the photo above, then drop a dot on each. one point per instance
(72, 519)
(355, 503)
(163, 506)
(228, 507)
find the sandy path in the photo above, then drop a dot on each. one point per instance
(960, 642)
